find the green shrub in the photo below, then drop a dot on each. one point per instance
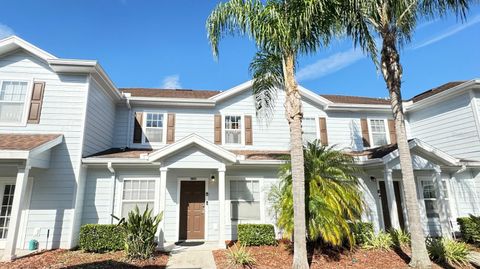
(239, 256)
(140, 230)
(400, 237)
(361, 231)
(101, 238)
(470, 229)
(256, 234)
(448, 250)
(380, 241)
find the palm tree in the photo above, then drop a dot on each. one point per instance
(281, 31)
(394, 23)
(333, 197)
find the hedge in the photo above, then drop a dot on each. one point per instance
(361, 231)
(101, 237)
(256, 234)
(470, 229)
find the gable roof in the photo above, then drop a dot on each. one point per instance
(13, 43)
(170, 93)
(192, 139)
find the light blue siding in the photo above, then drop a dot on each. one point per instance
(51, 205)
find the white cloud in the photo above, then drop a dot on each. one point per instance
(5, 31)
(171, 82)
(330, 64)
(448, 33)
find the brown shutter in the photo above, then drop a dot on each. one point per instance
(365, 135)
(391, 129)
(36, 102)
(137, 128)
(171, 128)
(323, 131)
(248, 130)
(217, 129)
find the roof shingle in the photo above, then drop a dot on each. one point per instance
(24, 141)
(346, 99)
(436, 90)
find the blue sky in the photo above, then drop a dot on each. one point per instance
(163, 44)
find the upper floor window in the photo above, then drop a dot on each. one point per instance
(309, 128)
(12, 101)
(154, 127)
(379, 132)
(233, 130)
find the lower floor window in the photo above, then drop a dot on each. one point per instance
(6, 210)
(245, 199)
(139, 193)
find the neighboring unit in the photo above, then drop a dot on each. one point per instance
(74, 149)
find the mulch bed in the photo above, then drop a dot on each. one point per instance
(280, 257)
(83, 260)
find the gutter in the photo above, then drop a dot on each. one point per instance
(188, 102)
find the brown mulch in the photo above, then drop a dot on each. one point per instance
(82, 260)
(280, 257)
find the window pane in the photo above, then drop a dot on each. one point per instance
(233, 136)
(129, 206)
(232, 122)
(11, 112)
(245, 210)
(154, 135)
(379, 139)
(6, 209)
(309, 129)
(431, 209)
(428, 190)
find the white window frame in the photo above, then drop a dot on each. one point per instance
(144, 128)
(261, 200)
(435, 200)
(119, 209)
(370, 134)
(317, 126)
(242, 129)
(28, 97)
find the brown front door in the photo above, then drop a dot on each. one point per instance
(192, 210)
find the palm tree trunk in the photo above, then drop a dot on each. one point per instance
(293, 113)
(392, 73)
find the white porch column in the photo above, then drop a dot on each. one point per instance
(17, 205)
(161, 204)
(442, 204)
(391, 199)
(221, 202)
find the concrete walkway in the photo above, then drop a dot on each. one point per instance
(192, 255)
(474, 258)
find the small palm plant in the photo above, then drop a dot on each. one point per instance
(140, 230)
(448, 251)
(333, 200)
(239, 257)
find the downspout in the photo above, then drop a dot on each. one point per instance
(112, 198)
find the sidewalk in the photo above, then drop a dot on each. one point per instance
(192, 256)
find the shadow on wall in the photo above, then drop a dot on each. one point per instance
(53, 193)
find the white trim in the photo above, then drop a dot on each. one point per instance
(428, 149)
(206, 208)
(192, 139)
(14, 42)
(475, 110)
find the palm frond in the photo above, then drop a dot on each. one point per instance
(267, 73)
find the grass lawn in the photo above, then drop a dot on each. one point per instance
(82, 260)
(280, 257)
